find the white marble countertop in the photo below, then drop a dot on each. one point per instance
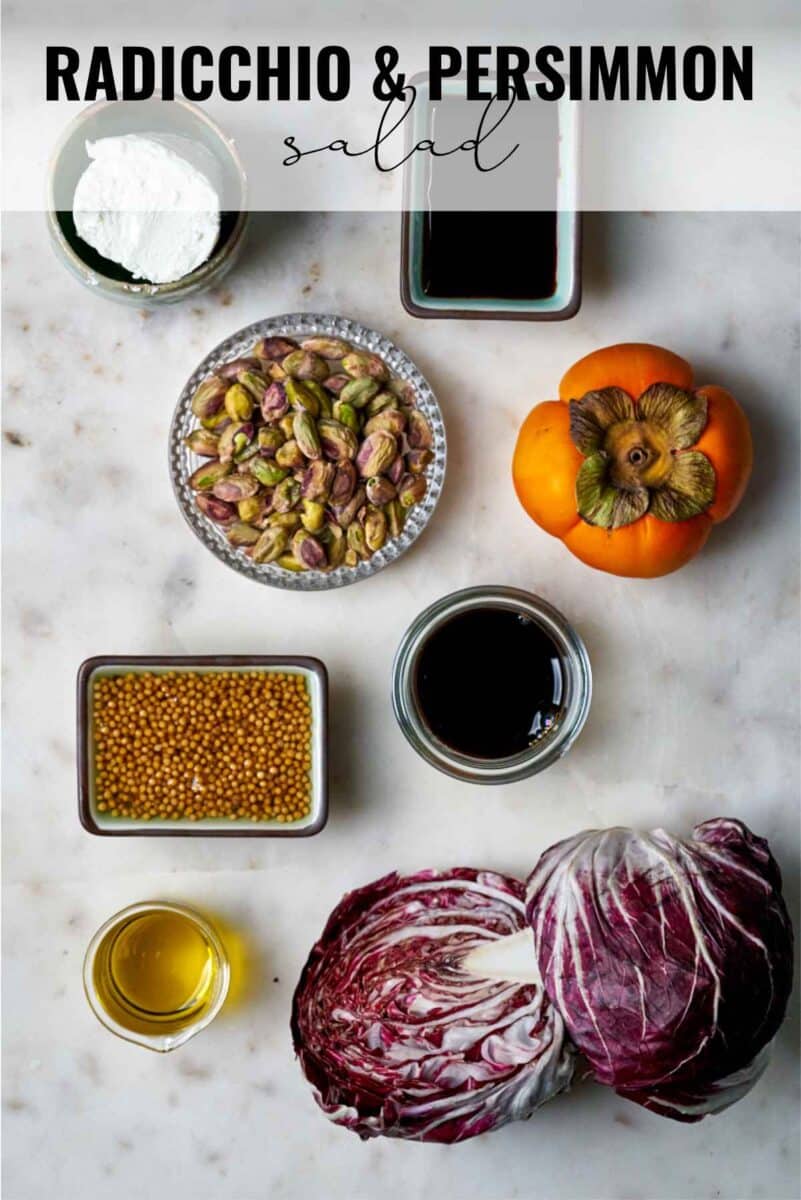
(694, 712)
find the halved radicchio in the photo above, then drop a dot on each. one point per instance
(670, 961)
(397, 1038)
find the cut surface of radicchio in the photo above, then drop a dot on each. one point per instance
(670, 961)
(397, 1038)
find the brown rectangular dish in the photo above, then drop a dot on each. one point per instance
(257, 811)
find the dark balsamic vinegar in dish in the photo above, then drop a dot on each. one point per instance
(487, 255)
(489, 683)
(492, 233)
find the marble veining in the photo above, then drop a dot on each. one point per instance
(694, 715)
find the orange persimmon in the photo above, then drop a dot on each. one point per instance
(632, 466)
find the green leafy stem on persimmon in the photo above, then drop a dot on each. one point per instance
(638, 455)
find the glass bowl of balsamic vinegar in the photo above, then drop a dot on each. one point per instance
(491, 684)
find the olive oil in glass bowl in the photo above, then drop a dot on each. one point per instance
(156, 974)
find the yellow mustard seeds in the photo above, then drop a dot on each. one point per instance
(233, 745)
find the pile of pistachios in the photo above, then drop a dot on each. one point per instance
(315, 453)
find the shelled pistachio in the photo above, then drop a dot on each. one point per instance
(307, 435)
(238, 403)
(326, 347)
(375, 528)
(314, 452)
(308, 550)
(267, 471)
(205, 477)
(274, 349)
(303, 364)
(271, 545)
(209, 397)
(380, 490)
(203, 442)
(241, 534)
(216, 510)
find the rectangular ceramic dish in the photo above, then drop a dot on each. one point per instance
(107, 826)
(565, 300)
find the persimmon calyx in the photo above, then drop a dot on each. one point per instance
(638, 455)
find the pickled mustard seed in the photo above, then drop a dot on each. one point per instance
(187, 746)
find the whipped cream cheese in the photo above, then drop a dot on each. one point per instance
(146, 207)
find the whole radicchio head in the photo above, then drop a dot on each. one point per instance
(398, 1038)
(670, 961)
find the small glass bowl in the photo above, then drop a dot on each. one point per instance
(170, 1039)
(183, 462)
(179, 122)
(577, 680)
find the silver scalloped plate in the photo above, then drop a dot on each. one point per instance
(183, 462)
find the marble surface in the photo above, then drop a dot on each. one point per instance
(695, 710)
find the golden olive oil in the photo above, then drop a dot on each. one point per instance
(156, 972)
